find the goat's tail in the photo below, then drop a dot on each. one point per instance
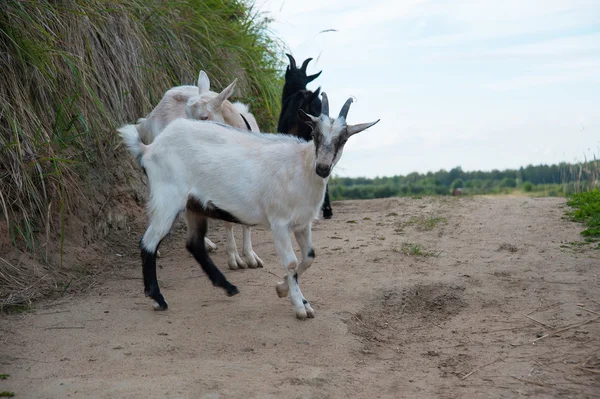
(133, 141)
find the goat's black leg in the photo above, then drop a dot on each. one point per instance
(197, 226)
(327, 211)
(151, 288)
(156, 232)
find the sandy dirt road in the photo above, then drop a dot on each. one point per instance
(414, 298)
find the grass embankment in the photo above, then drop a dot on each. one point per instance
(71, 71)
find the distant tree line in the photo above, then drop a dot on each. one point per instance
(558, 179)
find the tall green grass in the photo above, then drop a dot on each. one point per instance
(71, 71)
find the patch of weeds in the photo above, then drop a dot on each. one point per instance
(82, 270)
(410, 249)
(367, 218)
(4, 376)
(381, 238)
(416, 197)
(422, 223)
(17, 308)
(392, 214)
(351, 221)
(6, 394)
(376, 259)
(62, 287)
(586, 209)
(579, 243)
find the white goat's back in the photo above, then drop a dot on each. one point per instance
(206, 160)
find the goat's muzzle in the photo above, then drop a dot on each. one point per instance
(323, 170)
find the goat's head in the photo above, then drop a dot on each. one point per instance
(330, 135)
(296, 75)
(207, 104)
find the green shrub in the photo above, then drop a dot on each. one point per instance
(527, 187)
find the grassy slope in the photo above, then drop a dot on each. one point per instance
(73, 70)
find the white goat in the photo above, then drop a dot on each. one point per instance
(215, 171)
(198, 102)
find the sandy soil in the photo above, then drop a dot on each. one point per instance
(444, 317)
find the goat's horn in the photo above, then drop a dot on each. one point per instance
(292, 60)
(324, 104)
(345, 108)
(305, 64)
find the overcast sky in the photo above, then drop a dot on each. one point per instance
(472, 83)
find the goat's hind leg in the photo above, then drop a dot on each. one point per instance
(197, 225)
(156, 232)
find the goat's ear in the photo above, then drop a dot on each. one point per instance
(306, 118)
(203, 82)
(353, 129)
(224, 95)
(313, 77)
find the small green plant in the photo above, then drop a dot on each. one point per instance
(586, 209)
(6, 394)
(414, 250)
(4, 376)
(422, 223)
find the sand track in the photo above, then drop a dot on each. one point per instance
(411, 296)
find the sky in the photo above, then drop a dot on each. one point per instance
(473, 83)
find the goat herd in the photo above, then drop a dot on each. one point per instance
(206, 155)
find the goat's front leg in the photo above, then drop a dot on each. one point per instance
(304, 239)
(250, 256)
(283, 245)
(233, 257)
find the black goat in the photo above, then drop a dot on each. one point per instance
(295, 96)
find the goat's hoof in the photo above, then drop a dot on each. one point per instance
(241, 262)
(282, 289)
(159, 303)
(301, 314)
(253, 261)
(232, 263)
(210, 246)
(232, 290)
(310, 312)
(327, 214)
